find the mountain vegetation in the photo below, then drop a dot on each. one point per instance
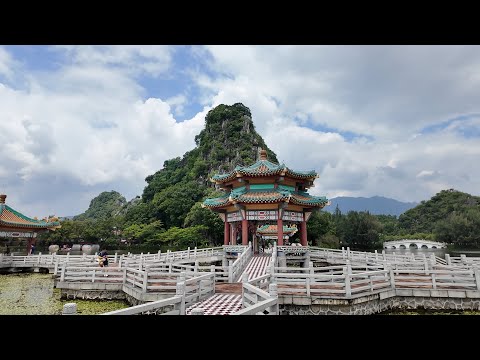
(168, 214)
(375, 205)
(107, 204)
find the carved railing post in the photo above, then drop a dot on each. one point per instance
(448, 260)
(346, 272)
(180, 291)
(476, 273)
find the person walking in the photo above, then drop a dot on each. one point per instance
(103, 260)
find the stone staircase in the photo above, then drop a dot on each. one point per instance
(228, 296)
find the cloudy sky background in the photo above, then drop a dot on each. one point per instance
(395, 121)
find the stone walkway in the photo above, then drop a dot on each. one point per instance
(218, 304)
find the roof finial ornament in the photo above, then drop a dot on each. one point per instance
(263, 154)
(2, 198)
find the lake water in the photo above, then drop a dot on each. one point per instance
(34, 294)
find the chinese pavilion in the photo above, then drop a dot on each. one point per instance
(260, 198)
(16, 225)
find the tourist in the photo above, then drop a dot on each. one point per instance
(103, 259)
(7, 251)
(32, 249)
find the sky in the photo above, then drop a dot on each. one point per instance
(395, 121)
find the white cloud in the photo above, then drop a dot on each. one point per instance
(92, 126)
(177, 104)
(88, 124)
(151, 59)
(7, 64)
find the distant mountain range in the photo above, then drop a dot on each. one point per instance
(376, 205)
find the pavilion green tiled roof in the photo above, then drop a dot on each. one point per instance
(216, 202)
(12, 218)
(303, 198)
(263, 168)
(265, 196)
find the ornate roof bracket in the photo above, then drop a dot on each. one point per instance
(239, 206)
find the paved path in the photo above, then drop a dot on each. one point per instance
(218, 304)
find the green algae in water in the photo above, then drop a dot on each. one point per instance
(34, 294)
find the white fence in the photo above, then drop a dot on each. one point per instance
(186, 292)
(237, 267)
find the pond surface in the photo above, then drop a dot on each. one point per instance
(34, 294)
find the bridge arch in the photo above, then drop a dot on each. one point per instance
(424, 246)
(413, 246)
(402, 246)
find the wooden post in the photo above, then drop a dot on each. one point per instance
(376, 255)
(188, 252)
(384, 256)
(448, 260)
(309, 277)
(93, 276)
(62, 274)
(124, 280)
(348, 252)
(230, 271)
(464, 259)
(432, 259)
(245, 278)
(343, 252)
(434, 283)
(195, 252)
(115, 258)
(55, 269)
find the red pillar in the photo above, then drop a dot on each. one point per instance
(226, 235)
(280, 232)
(244, 232)
(303, 233)
(234, 234)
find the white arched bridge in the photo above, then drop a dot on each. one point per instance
(413, 244)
